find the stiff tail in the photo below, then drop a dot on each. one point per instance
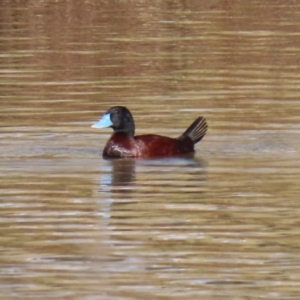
(196, 131)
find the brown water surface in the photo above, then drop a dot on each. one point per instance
(221, 225)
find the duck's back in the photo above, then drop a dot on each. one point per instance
(145, 146)
(152, 145)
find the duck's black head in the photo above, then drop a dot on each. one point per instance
(119, 118)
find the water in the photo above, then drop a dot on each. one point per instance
(221, 225)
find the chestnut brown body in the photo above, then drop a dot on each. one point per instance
(145, 146)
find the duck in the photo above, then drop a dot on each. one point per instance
(123, 143)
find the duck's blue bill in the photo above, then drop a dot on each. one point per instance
(103, 122)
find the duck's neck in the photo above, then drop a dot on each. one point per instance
(129, 130)
(126, 125)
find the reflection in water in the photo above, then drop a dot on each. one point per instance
(144, 220)
(126, 179)
(119, 177)
(122, 172)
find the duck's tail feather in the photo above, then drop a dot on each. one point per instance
(196, 131)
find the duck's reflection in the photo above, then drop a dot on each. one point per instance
(121, 172)
(117, 178)
(124, 183)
